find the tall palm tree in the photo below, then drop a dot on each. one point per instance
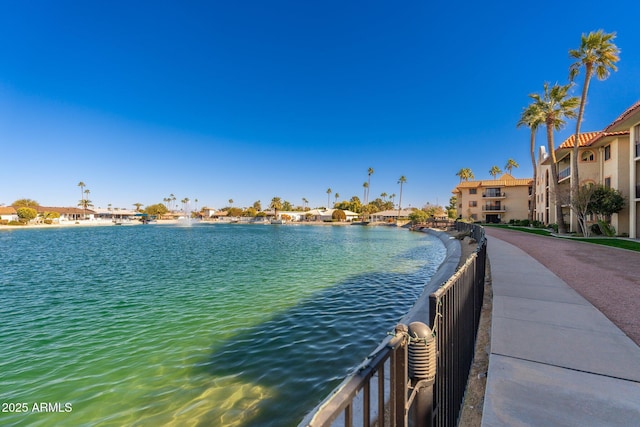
(401, 181)
(304, 203)
(231, 202)
(510, 165)
(369, 173)
(465, 174)
(328, 194)
(364, 196)
(555, 106)
(598, 54)
(392, 196)
(336, 197)
(494, 171)
(384, 196)
(532, 118)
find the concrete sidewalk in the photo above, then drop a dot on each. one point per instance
(555, 359)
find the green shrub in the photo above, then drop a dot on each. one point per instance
(524, 222)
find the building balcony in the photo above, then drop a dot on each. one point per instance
(494, 208)
(637, 191)
(564, 173)
(494, 195)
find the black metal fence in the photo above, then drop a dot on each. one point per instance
(380, 392)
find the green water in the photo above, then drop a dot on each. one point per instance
(222, 325)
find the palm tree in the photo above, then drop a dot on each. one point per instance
(87, 202)
(304, 203)
(276, 204)
(328, 193)
(532, 118)
(392, 196)
(231, 202)
(494, 171)
(384, 196)
(336, 197)
(401, 181)
(137, 205)
(555, 106)
(364, 196)
(598, 54)
(369, 173)
(510, 165)
(81, 184)
(465, 174)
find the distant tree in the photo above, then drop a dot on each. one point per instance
(336, 197)
(250, 212)
(286, 206)
(452, 209)
(138, 206)
(384, 196)
(328, 194)
(305, 202)
(26, 214)
(257, 205)
(369, 173)
(156, 210)
(233, 212)
(276, 205)
(339, 215)
(25, 203)
(465, 174)
(401, 181)
(81, 184)
(418, 216)
(495, 171)
(230, 202)
(365, 185)
(510, 165)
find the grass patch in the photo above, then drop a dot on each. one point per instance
(538, 231)
(616, 243)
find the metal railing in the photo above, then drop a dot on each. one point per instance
(564, 173)
(494, 194)
(381, 393)
(454, 312)
(494, 208)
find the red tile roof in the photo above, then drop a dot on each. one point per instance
(7, 210)
(584, 140)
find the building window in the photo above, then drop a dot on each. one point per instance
(473, 203)
(636, 137)
(607, 182)
(607, 152)
(473, 191)
(588, 156)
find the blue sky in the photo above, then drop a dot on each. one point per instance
(248, 100)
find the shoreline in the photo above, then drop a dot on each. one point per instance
(109, 223)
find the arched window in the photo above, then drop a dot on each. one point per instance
(588, 156)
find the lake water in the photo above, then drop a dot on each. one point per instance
(221, 325)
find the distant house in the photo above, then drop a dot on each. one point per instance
(391, 215)
(67, 214)
(327, 215)
(8, 213)
(115, 214)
